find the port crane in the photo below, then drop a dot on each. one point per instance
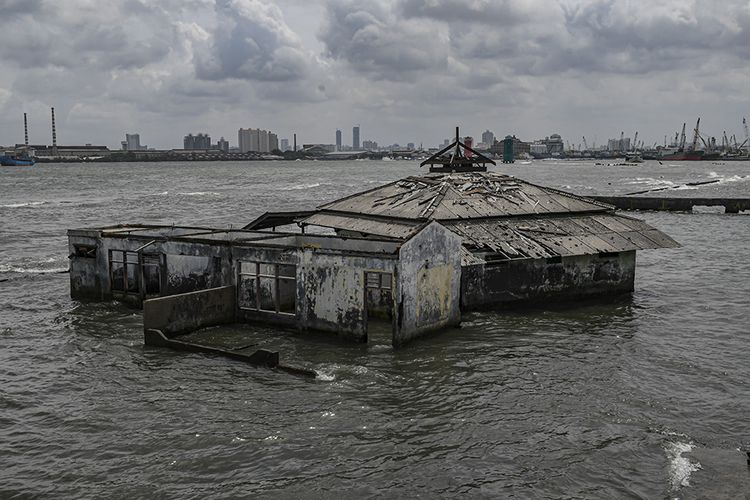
(747, 136)
(681, 144)
(585, 145)
(635, 141)
(696, 135)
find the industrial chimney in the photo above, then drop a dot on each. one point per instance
(25, 131)
(54, 134)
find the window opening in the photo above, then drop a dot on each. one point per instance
(123, 271)
(85, 251)
(268, 287)
(379, 294)
(152, 273)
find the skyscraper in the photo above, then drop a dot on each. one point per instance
(223, 145)
(133, 142)
(355, 138)
(488, 137)
(200, 141)
(257, 140)
(338, 140)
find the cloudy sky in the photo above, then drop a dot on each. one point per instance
(406, 70)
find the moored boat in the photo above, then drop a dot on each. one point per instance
(12, 159)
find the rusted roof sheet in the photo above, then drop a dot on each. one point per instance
(559, 236)
(462, 196)
(276, 219)
(392, 229)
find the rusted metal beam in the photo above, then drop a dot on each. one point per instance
(731, 205)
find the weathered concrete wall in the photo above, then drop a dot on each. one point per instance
(429, 283)
(189, 266)
(190, 311)
(333, 291)
(568, 278)
(85, 277)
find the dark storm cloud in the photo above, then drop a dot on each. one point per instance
(101, 38)
(221, 63)
(251, 42)
(532, 37)
(10, 8)
(372, 38)
(495, 12)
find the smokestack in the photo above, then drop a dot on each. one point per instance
(25, 131)
(295, 143)
(54, 134)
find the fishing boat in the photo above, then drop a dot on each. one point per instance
(633, 158)
(22, 156)
(16, 159)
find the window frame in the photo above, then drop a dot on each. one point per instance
(259, 274)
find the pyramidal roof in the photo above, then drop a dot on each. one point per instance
(460, 196)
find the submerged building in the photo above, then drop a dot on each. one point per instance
(415, 252)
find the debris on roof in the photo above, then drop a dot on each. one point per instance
(463, 195)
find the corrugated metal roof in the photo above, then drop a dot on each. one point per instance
(462, 196)
(559, 236)
(392, 229)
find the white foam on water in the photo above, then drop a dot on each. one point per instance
(680, 467)
(735, 178)
(297, 187)
(198, 193)
(27, 204)
(4, 268)
(360, 370)
(325, 377)
(650, 181)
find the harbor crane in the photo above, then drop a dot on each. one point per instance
(585, 145)
(635, 141)
(747, 134)
(681, 144)
(696, 134)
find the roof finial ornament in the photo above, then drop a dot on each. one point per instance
(470, 161)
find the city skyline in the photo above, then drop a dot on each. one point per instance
(403, 69)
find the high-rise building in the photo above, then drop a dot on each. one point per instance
(370, 145)
(488, 137)
(199, 141)
(338, 140)
(355, 138)
(619, 145)
(555, 144)
(284, 145)
(257, 140)
(223, 145)
(132, 142)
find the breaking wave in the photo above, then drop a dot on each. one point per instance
(680, 467)
(46, 266)
(27, 204)
(732, 178)
(299, 186)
